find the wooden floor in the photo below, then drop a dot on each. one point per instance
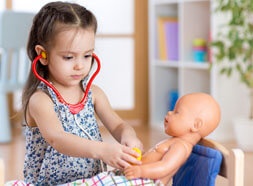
(13, 153)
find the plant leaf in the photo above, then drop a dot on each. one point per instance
(238, 67)
(229, 71)
(223, 70)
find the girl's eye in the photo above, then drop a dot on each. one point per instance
(67, 57)
(88, 56)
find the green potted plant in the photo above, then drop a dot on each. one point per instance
(233, 51)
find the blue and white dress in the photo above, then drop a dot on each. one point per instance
(43, 164)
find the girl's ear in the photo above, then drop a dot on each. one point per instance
(198, 123)
(39, 50)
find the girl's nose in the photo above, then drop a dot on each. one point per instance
(78, 65)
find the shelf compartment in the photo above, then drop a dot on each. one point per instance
(166, 10)
(196, 24)
(166, 80)
(195, 80)
(196, 65)
(167, 32)
(164, 63)
(166, 2)
(191, 1)
(179, 64)
(183, 74)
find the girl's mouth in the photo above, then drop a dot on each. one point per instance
(76, 76)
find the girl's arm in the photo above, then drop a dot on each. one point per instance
(120, 130)
(41, 111)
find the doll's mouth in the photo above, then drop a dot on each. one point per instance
(165, 120)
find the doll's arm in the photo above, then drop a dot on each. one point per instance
(170, 162)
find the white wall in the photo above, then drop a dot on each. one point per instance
(231, 93)
(113, 16)
(233, 97)
(2, 5)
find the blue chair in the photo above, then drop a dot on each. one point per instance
(207, 160)
(14, 64)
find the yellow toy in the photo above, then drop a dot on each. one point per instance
(139, 152)
(44, 55)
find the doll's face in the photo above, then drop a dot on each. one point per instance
(193, 113)
(179, 121)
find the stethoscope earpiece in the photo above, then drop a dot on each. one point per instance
(44, 55)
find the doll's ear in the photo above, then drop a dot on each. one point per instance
(198, 123)
(40, 50)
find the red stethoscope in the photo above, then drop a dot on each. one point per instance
(74, 108)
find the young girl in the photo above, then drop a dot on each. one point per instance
(60, 146)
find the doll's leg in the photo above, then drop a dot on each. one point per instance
(166, 179)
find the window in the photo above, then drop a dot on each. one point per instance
(2, 5)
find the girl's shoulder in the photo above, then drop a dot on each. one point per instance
(95, 89)
(39, 100)
(97, 93)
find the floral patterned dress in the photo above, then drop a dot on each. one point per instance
(43, 164)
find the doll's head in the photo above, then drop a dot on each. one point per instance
(193, 113)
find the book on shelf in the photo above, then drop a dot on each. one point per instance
(167, 38)
(161, 39)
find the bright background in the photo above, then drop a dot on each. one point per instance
(117, 56)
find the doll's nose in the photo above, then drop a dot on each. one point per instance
(170, 112)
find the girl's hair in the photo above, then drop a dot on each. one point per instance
(65, 15)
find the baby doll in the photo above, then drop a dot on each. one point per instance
(195, 116)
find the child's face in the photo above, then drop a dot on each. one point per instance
(70, 57)
(179, 121)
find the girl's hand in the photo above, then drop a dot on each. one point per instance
(132, 142)
(119, 156)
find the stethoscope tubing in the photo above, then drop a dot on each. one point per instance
(72, 107)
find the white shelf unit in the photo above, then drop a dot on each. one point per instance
(184, 75)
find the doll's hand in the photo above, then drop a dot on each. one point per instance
(119, 156)
(132, 172)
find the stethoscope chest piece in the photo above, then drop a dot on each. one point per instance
(74, 109)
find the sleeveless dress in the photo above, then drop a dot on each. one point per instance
(43, 164)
